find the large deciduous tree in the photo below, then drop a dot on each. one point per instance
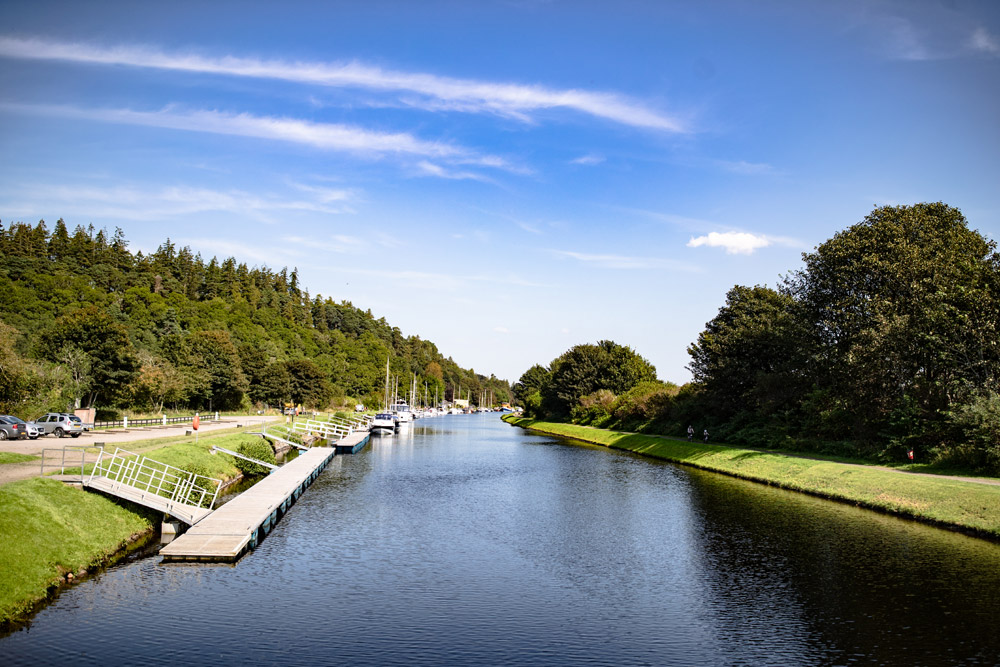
(584, 369)
(903, 308)
(308, 384)
(20, 380)
(218, 382)
(750, 357)
(100, 347)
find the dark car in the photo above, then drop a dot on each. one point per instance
(12, 428)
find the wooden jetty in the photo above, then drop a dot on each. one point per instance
(228, 532)
(352, 443)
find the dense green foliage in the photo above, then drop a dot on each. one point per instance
(885, 342)
(581, 371)
(83, 321)
(258, 449)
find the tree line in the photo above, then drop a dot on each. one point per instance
(86, 322)
(884, 345)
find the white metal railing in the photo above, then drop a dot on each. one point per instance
(281, 433)
(343, 423)
(325, 428)
(74, 451)
(161, 479)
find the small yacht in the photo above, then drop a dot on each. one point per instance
(402, 412)
(383, 424)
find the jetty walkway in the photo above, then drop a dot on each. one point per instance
(230, 531)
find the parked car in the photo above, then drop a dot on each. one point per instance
(59, 424)
(19, 429)
(12, 430)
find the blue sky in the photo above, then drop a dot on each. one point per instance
(506, 179)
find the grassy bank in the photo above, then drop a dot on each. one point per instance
(49, 530)
(11, 457)
(969, 506)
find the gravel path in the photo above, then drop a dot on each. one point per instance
(131, 439)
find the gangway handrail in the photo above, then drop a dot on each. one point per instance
(337, 421)
(326, 426)
(81, 449)
(269, 466)
(300, 427)
(264, 434)
(162, 479)
(328, 433)
(329, 430)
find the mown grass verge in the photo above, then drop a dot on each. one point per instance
(12, 457)
(968, 506)
(49, 529)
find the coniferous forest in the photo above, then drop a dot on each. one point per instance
(84, 322)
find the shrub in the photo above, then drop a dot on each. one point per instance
(647, 401)
(978, 428)
(256, 448)
(107, 415)
(595, 408)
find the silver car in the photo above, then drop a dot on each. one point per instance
(16, 429)
(59, 424)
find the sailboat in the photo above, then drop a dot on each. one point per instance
(384, 422)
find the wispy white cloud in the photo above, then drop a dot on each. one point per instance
(430, 169)
(627, 262)
(740, 243)
(265, 255)
(420, 89)
(388, 240)
(904, 40)
(503, 330)
(983, 42)
(924, 31)
(326, 195)
(748, 168)
(130, 202)
(325, 136)
(441, 282)
(588, 160)
(531, 229)
(669, 218)
(337, 243)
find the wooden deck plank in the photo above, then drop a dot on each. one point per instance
(225, 534)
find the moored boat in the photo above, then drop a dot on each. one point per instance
(384, 423)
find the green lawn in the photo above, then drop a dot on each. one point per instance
(48, 528)
(11, 457)
(965, 504)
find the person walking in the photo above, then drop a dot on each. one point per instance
(690, 432)
(706, 435)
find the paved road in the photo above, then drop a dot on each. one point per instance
(131, 439)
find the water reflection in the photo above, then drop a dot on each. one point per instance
(461, 540)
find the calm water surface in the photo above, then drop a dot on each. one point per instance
(467, 541)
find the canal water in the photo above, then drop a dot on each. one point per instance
(466, 541)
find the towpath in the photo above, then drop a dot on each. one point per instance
(990, 481)
(138, 439)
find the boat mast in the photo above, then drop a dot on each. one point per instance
(385, 393)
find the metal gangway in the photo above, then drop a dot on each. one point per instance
(279, 437)
(329, 430)
(185, 495)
